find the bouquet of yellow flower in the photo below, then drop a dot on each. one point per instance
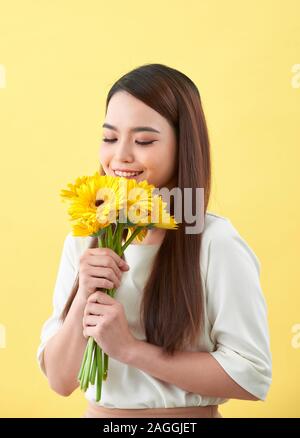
(103, 206)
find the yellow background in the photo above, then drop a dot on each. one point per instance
(60, 58)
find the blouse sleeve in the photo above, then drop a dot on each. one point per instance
(66, 276)
(237, 312)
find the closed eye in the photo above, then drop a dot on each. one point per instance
(108, 140)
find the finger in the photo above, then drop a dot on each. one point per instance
(100, 271)
(108, 273)
(91, 320)
(89, 331)
(101, 298)
(105, 262)
(108, 252)
(92, 309)
(96, 282)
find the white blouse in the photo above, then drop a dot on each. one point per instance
(235, 332)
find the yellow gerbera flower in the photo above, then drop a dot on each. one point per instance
(160, 216)
(97, 201)
(107, 211)
(72, 193)
(85, 227)
(139, 201)
(92, 199)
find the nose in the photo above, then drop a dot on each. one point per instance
(124, 152)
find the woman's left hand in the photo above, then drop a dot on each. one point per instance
(104, 319)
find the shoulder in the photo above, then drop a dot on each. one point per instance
(217, 229)
(216, 226)
(222, 242)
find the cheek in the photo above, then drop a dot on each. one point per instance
(163, 161)
(166, 168)
(105, 155)
(160, 172)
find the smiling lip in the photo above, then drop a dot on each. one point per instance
(127, 170)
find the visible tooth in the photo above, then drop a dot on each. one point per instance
(126, 173)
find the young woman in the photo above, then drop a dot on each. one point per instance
(188, 328)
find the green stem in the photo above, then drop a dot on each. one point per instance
(116, 230)
(101, 240)
(134, 234)
(109, 237)
(94, 366)
(106, 238)
(105, 367)
(88, 363)
(84, 371)
(119, 239)
(99, 372)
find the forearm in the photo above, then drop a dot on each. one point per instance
(197, 372)
(64, 351)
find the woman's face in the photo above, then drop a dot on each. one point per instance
(128, 122)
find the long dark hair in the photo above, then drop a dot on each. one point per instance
(172, 303)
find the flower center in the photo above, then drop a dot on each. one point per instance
(98, 202)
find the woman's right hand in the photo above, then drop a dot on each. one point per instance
(99, 268)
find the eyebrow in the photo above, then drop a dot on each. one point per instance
(136, 129)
